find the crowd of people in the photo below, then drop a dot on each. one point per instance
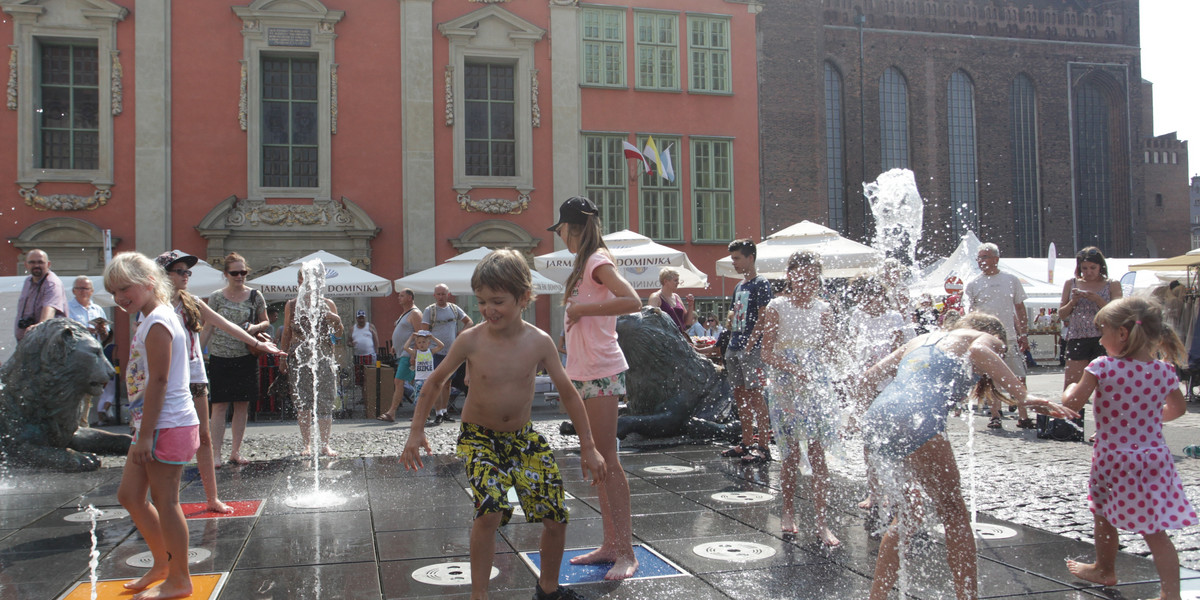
(810, 362)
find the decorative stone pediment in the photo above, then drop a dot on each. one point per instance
(75, 246)
(492, 27)
(266, 233)
(67, 14)
(312, 11)
(495, 233)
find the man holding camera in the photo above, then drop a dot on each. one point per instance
(42, 297)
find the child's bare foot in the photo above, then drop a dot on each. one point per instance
(215, 505)
(329, 451)
(306, 452)
(165, 590)
(598, 556)
(144, 581)
(787, 524)
(238, 460)
(866, 504)
(623, 568)
(1091, 572)
(829, 539)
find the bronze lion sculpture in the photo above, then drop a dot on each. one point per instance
(44, 384)
(670, 389)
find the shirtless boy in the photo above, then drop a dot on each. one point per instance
(497, 439)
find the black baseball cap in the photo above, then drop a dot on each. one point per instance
(168, 259)
(575, 211)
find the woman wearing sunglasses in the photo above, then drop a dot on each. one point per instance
(233, 370)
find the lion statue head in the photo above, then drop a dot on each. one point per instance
(51, 371)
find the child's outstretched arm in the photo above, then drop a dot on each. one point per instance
(590, 462)
(1078, 393)
(411, 457)
(158, 362)
(1175, 407)
(769, 325)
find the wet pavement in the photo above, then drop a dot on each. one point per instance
(709, 525)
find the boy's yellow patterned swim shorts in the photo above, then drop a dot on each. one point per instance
(498, 460)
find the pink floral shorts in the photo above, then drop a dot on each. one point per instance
(613, 385)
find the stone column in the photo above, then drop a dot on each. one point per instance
(417, 123)
(152, 154)
(566, 110)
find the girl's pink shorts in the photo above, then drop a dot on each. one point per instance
(175, 445)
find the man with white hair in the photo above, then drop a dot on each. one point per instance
(1001, 295)
(443, 318)
(80, 308)
(42, 296)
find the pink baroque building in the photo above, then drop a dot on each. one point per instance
(394, 133)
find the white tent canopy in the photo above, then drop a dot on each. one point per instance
(204, 280)
(342, 280)
(456, 273)
(840, 257)
(638, 258)
(1033, 273)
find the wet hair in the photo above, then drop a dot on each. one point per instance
(590, 242)
(1090, 254)
(667, 273)
(1147, 329)
(504, 270)
(800, 259)
(745, 246)
(989, 248)
(985, 389)
(233, 257)
(133, 268)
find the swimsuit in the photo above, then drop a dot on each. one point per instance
(522, 459)
(912, 409)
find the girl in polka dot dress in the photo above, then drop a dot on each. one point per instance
(1133, 484)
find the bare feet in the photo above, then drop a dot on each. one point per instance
(623, 566)
(327, 451)
(144, 581)
(306, 451)
(787, 525)
(1091, 572)
(215, 505)
(238, 460)
(829, 539)
(164, 591)
(866, 504)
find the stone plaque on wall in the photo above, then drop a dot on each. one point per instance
(289, 36)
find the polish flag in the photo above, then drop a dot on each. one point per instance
(631, 151)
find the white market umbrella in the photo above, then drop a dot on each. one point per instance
(456, 273)
(639, 260)
(840, 257)
(204, 280)
(342, 280)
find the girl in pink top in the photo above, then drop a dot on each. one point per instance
(1133, 484)
(596, 295)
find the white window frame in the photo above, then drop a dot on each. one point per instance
(258, 20)
(73, 21)
(709, 51)
(492, 34)
(601, 43)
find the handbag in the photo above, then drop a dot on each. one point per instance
(255, 349)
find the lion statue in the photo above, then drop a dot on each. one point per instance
(670, 389)
(51, 372)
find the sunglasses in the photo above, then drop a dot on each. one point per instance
(237, 273)
(182, 272)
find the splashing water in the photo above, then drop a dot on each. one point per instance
(898, 210)
(94, 554)
(313, 355)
